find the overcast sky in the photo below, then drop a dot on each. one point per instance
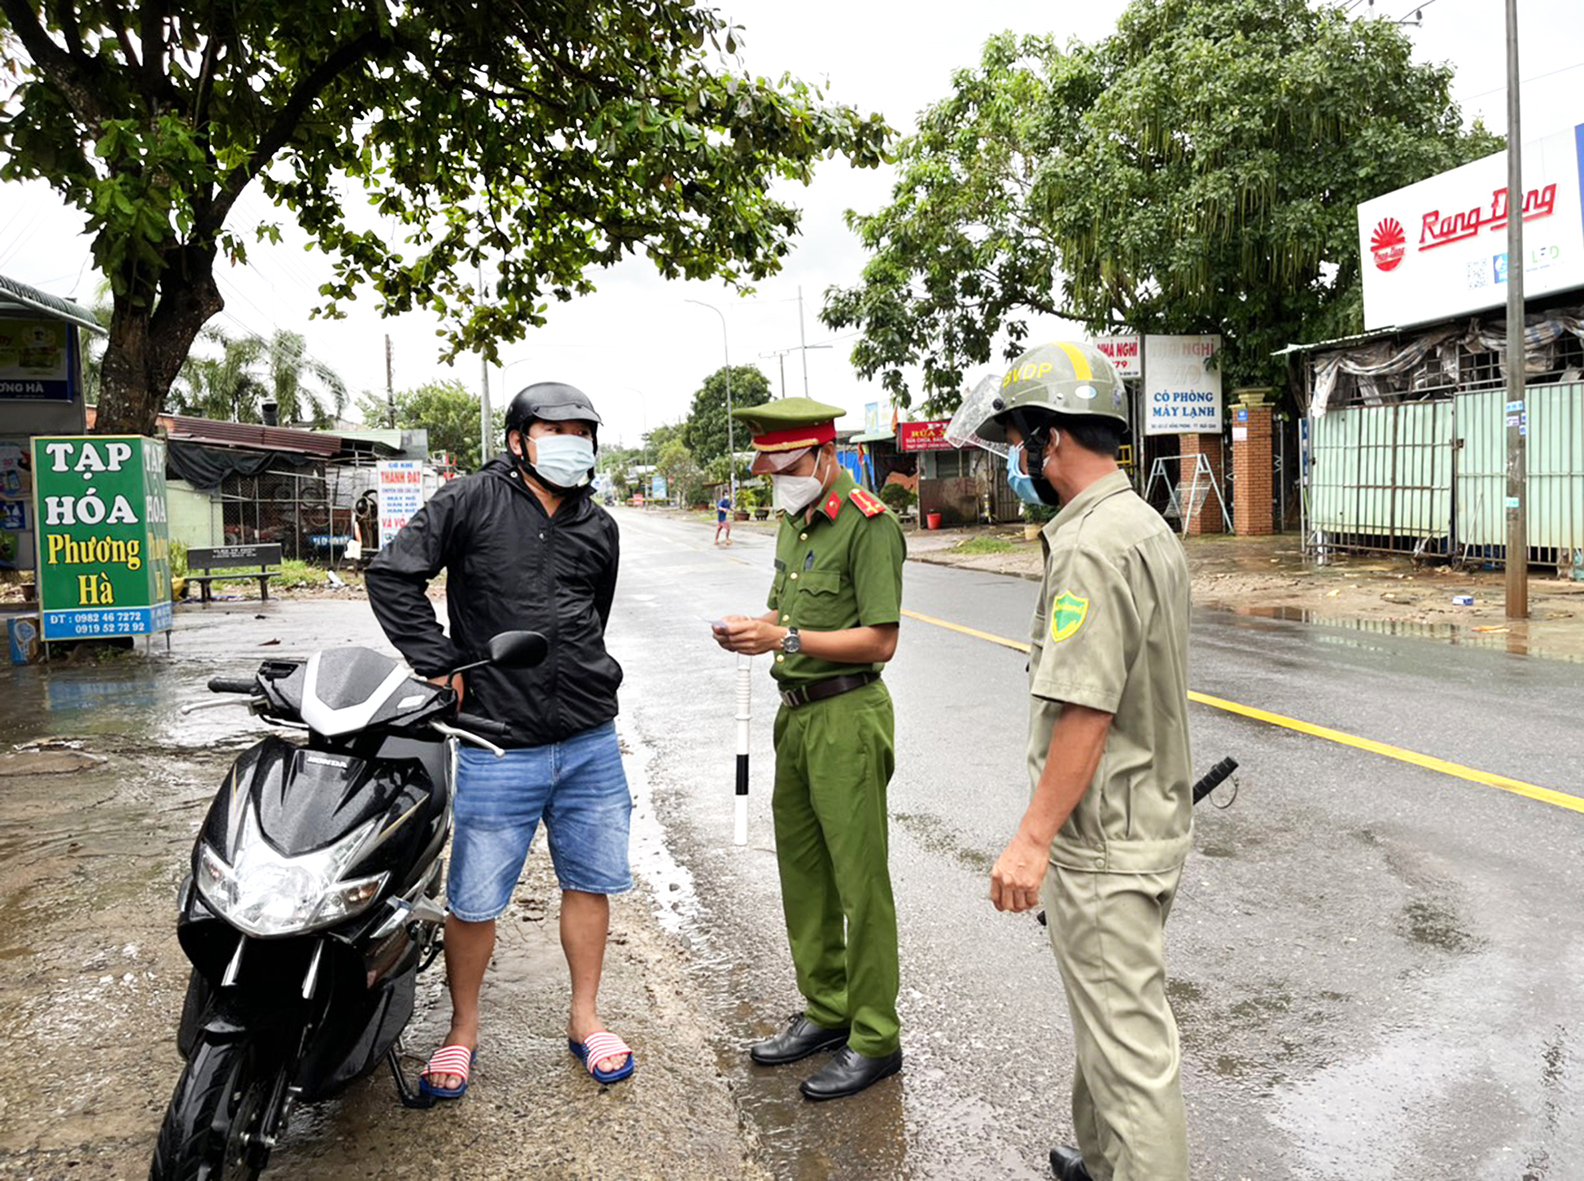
(635, 345)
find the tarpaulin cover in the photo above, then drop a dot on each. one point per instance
(206, 468)
(1367, 363)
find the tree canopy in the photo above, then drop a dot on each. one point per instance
(1197, 171)
(705, 433)
(447, 410)
(547, 139)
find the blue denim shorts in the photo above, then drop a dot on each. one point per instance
(580, 790)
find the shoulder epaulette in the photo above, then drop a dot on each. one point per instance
(868, 503)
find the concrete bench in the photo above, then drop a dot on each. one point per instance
(247, 561)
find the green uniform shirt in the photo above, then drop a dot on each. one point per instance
(841, 569)
(1111, 633)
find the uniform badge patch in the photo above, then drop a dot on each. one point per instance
(1068, 612)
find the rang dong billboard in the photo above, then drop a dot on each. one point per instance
(1438, 249)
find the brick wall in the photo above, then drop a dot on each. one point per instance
(1253, 501)
(1208, 518)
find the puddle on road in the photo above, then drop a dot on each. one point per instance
(1517, 637)
(104, 784)
(1429, 922)
(676, 902)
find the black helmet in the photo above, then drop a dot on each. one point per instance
(549, 401)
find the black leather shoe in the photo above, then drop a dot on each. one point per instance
(797, 1041)
(848, 1073)
(1067, 1164)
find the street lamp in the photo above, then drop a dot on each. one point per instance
(731, 448)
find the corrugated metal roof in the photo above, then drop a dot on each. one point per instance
(14, 294)
(259, 438)
(1341, 342)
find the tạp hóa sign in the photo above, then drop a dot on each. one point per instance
(103, 541)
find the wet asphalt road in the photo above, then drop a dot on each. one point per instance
(1373, 963)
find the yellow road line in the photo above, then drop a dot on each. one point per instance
(1544, 795)
(967, 631)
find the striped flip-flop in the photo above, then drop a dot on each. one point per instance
(457, 1060)
(596, 1049)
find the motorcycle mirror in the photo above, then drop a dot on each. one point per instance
(518, 649)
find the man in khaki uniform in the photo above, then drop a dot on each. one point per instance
(1109, 824)
(835, 606)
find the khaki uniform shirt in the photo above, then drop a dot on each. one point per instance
(1111, 633)
(840, 569)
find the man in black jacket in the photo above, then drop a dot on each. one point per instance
(523, 546)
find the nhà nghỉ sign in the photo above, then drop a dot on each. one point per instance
(1182, 388)
(1124, 352)
(103, 541)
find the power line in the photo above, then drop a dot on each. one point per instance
(1522, 81)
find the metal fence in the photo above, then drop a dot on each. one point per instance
(308, 513)
(1430, 477)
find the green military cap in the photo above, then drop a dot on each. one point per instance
(790, 424)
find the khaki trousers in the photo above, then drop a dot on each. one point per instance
(1107, 930)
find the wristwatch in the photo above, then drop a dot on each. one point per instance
(791, 642)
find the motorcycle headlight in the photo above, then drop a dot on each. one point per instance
(265, 893)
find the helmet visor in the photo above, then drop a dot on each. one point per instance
(976, 411)
(767, 463)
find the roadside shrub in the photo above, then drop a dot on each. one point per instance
(898, 497)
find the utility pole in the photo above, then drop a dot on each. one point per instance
(390, 386)
(484, 407)
(780, 356)
(802, 341)
(1517, 416)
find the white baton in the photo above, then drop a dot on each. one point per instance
(744, 712)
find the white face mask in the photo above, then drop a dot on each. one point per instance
(564, 460)
(793, 494)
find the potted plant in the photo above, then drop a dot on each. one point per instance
(752, 499)
(898, 498)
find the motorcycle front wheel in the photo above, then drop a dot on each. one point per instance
(211, 1128)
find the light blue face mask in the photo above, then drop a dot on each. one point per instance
(564, 460)
(1020, 482)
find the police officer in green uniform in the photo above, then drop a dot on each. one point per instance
(835, 606)
(1109, 824)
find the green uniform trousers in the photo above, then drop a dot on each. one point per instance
(834, 759)
(1108, 933)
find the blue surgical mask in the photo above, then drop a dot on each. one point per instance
(1020, 482)
(564, 460)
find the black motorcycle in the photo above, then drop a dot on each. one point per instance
(313, 900)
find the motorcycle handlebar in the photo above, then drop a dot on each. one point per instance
(482, 725)
(230, 685)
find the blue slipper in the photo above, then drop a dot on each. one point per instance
(599, 1047)
(457, 1060)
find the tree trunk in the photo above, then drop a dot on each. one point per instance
(146, 351)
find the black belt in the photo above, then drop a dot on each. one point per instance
(829, 687)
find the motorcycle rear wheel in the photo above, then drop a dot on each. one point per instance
(215, 1114)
